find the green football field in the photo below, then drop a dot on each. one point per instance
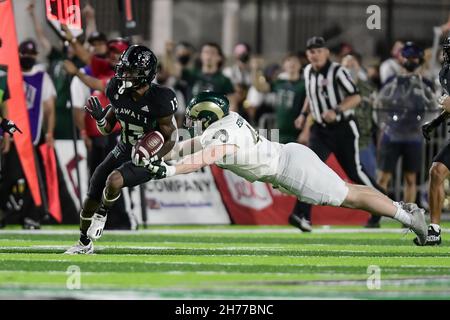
(225, 262)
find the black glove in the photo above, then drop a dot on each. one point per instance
(9, 126)
(96, 110)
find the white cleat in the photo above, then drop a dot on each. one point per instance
(95, 230)
(418, 225)
(80, 248)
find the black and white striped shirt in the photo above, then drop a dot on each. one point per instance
(327, 88)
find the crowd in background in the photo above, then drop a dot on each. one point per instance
(268, 94)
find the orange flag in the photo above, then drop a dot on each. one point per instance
(17, 109)
(51, 175)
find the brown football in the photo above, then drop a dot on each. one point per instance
(148, 145)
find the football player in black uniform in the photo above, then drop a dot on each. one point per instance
(440, 169)
(139, 106)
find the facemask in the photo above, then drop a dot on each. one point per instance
(125, 85)
(244, 58)
(184, 59)
(410, 65)
(26, 63)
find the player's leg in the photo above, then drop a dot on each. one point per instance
(127, 175)
(91, 223)
(318, 184)
(436, 194)
(439, 171)
(373, 201)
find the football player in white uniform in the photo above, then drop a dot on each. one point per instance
(231, 143)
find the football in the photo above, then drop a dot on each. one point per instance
(147, 146)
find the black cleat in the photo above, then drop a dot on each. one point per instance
(300, 222)
(433, 237)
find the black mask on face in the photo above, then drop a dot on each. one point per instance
(184, 59)
(26, 63)
(244, 58)
(410, 65)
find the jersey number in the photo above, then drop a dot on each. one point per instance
(131, 133)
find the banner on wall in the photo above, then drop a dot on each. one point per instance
(66, 156)
(252, 203)
(185, 199)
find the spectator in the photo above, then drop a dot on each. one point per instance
(40, 97)
(403, 101)
(392, 66)
(240, 72)
(61, 80)
(209, 77)
(289, 97)
(98, 44)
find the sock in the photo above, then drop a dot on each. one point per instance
(85, 221)
(84, 239)
(402, 216)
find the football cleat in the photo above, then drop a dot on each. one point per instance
(95, 230)
(80, 248)
(418, 225)
(433, 236)
(300, 222)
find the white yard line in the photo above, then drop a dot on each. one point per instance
(261, 230)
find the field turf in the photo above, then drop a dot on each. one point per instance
(225, 262)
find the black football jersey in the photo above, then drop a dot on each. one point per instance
(139, 117)
(444, 78)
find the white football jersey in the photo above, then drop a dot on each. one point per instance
(256, 158)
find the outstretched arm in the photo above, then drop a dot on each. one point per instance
(42, 38)
(192, 162)
(184, 148)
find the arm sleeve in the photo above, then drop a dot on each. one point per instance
(345, 82)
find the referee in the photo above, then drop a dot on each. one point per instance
(331, 97)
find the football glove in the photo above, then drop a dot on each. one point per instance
(96, 110)
(160, 169)
(9, 126)
(138, 161)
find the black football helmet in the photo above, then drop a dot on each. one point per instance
(446, 50)
(136, 68)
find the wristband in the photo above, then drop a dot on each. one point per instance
(305, 114)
